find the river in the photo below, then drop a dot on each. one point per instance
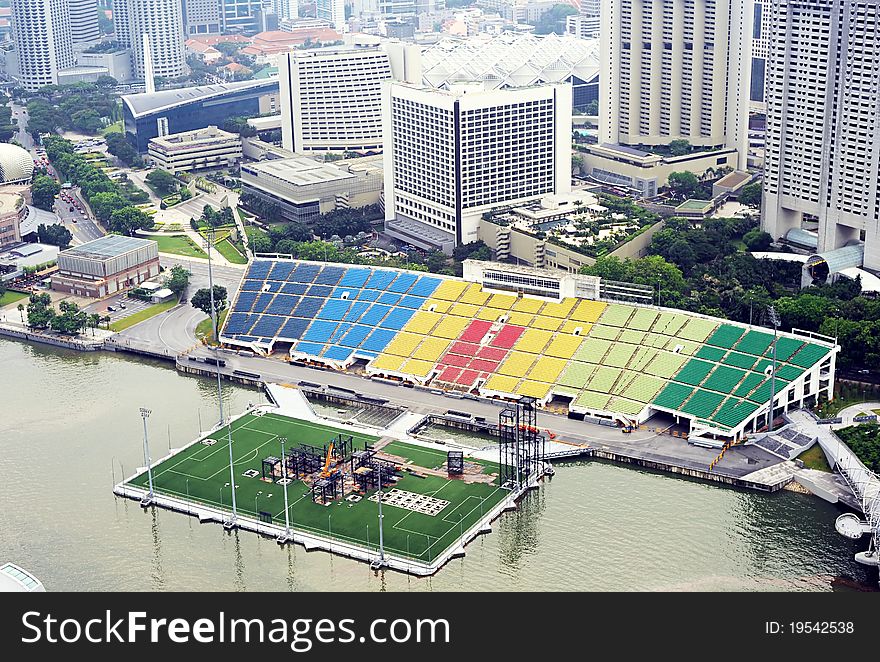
(69, 425)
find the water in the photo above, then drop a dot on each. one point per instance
(68, 420)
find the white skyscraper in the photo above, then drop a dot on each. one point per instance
(163, 21)
(84, 21)
(42, 40)
(286, 9)
(761, 33)
(451, 155)
(332, 11)
(676, 69)
(331, 98)
(823, 125)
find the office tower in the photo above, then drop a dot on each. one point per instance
(761, 33)
(823, 128)
(162, 20)
(676, 70)
(84, 21)
(331, 98)
(242, 16)
(43, 40)
(332, 11)
(201, 17)
(286, 9)
(452, 155)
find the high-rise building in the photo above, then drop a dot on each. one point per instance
(332, 11)
(162, 20)
(331, 98)
(452, 155)
(242, 16)
(823, 128)
(286, 9)
(202, 17)
(84, 27)
(676, 70)
(761, 32)
(43, 41)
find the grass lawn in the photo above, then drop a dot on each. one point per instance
(10, 296)
(203, 329)
(815, 459)
(201, 472)
(181, 245)
(230, 252)
(116, 127)
(140, 316)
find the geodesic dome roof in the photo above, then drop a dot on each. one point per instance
(16, 163)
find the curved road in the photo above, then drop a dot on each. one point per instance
(855, 410)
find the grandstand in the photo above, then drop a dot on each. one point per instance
(606, 360)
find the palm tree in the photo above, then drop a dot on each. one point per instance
(94, 321)
(106, 320)
(21, 311)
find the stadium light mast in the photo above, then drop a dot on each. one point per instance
(381, 527)
(284, 475)
(209, 242)
(774, 320)
(145, 414)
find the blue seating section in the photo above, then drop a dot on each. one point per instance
(397, 318)
(330, 312)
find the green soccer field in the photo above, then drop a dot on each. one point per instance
(201, 473)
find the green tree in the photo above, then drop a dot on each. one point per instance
(258, 241)
(756, 240)
(71, 320)
(86, 120)
(553, 20)
(178, 280)
(751, 194)
(202, 299)
(679, 147)
(128, 220)
(805, 311)
(163, 181)
(43, 192)
(94, 321)
(683, 185)
(106, 82)
(104, 204)
(55, 235)
(40, 312)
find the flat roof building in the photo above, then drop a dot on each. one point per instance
(331, 99)
(202, 149)
(12, 210)
(303, 188)
(456, 154)
(106, 266)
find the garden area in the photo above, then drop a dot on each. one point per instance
(179, 245)
(864, 441)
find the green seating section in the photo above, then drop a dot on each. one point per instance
(724, 379)
(755, 342)
(702, 403)
(808, 355)
(785, 348)
(694, 372)
(616, 315)
(726, 336)
(739, 360)
(711, 353)
(673, 395)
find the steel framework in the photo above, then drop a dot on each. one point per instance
(521, 447)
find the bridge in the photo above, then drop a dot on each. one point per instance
(863, 482)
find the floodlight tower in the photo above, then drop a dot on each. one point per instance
(209, 243)
(774, 320)
(145, 414)
(284, 475)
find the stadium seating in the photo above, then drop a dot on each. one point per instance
(614, 358)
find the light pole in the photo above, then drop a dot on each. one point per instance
(256, 509)
(209, 241)
(286, 507)
(330, 530)
(187, 497)
(145, 414)
(774, 320)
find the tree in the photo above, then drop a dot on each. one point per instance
(20, 308)
(71, 320)
(679, 147)
(178, 280)
(128, 220)
(751, 194)
(43, 192)
(683, 185)
(121, 149)
(104, 204)
(94, 321)
(258, 241)
(163, 181)
(756, 240)
(202, 299)
(54, 235)
(86, 120)
(106, 82)
(553, 20)
(40, 312)
(240, 126)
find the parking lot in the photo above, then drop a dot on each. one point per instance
(132, 306)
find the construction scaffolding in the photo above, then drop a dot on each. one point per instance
(455, 463)
(521, 446)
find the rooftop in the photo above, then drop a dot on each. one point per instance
(106, 247)
(299, 170)
(187, 139)
(145, 103)
(17, 580)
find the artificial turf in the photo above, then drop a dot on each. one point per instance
(201, 473)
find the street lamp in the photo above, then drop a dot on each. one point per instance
(145, 414)
(774, 320)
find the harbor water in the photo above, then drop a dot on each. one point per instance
(70, 428)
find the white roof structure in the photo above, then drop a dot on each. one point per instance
(16, 164)
(510, 60)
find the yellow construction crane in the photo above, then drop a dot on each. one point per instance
(325, 472)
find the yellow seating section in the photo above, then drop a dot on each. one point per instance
(431, 349)
(403, 344)
(517, 364)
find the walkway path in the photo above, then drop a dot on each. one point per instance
(855, 410)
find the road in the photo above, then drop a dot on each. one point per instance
(175, 331)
